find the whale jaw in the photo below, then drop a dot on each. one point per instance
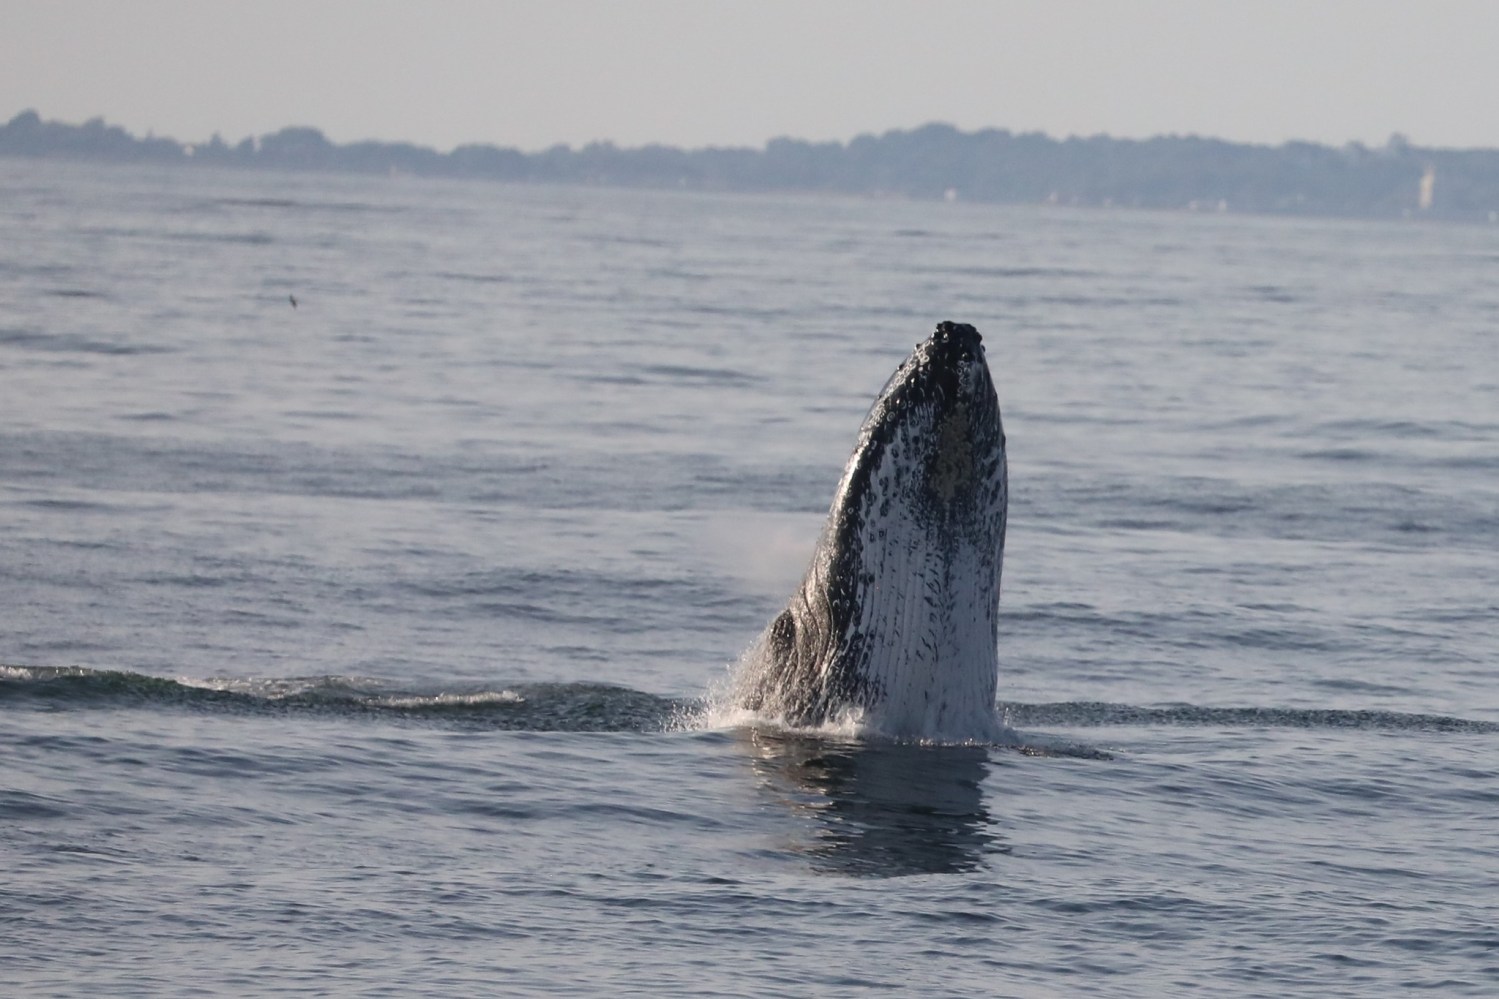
(895, 625)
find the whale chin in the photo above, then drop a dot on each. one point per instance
(894, 628)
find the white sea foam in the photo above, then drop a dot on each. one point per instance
(446, 700)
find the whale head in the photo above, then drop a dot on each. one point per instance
(895, 624)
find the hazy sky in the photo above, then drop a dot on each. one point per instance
(531, 74)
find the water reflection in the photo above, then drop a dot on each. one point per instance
(880, 809)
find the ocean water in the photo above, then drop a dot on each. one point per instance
(362, 647)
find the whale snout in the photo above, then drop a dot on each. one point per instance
(953, 354)
(956, 343)
(957, 333)
(949, 367)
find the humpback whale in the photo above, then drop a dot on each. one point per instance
(895, 624)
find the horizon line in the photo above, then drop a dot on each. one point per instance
(1396, 140)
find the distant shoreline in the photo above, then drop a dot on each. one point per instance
(932, 162)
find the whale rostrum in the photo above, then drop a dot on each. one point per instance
(895, 624)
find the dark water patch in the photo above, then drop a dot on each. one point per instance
(293, 204)
(619, 239)
(1404, 429)
(257, 202)
(1109, 302)
(1138, 524)
(1271, 293)
(74, 293)
(119, 231)
(610, 379)
(1030, 272)
(29, 269)
(1010, 273)
(527, 707)
(73, 343)
(1348, 685)
(16, 806)
(1251, 422)
(740, 311)
(1097, 714)
(1041, 747)
(1416, 527)
(1340, 454)
(188, 580)
(677, 274)
(236, 238)
(708, 376)
(474, 278)
(67, 506)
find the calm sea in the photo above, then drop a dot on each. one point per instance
(360, 645)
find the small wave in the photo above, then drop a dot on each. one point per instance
(1271, 293)
(258, 202)
(73, 343)
(532, 707)
(1382, 427)
(242, 238)
(302, 206)
(1010, 272)
(690, 374)
(474, 278)
(1097, 714)
(1340, 454)
(600, 707)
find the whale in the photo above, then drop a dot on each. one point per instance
(895, 626)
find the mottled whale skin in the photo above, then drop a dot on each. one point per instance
(895, 625)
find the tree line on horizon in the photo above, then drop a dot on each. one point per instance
(934, 161)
